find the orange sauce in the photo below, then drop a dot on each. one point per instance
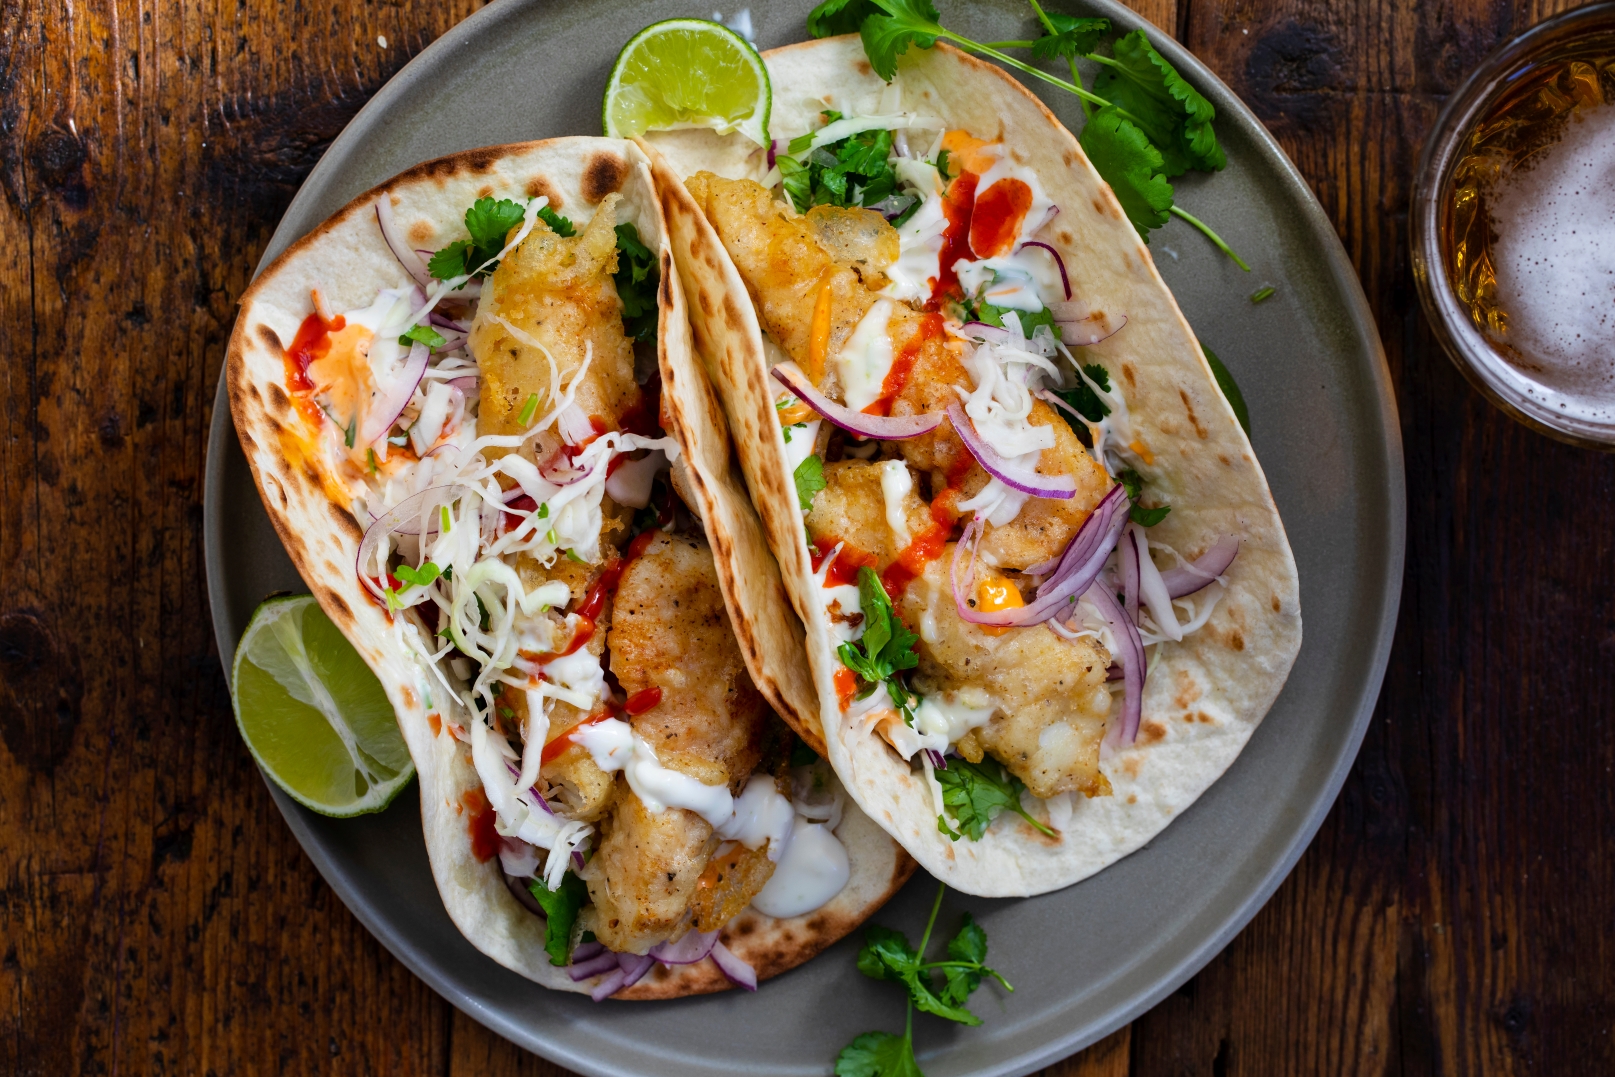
(819, 333)
(995, 223)
(640, 702)
(910, 564)
(312, 343)
(847, 562)
(554, 748)
(958, 201)
(930, 326)
(846, 686)
(484, 837)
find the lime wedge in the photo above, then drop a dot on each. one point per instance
(312, 713)
(688, 73)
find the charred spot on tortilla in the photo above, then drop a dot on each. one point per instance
(339, 608)
(604, 174)
(541, 187)
(422, 233)
(1188, 406)
(347, 522)
(271, 340)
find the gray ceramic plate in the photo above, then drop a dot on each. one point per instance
(1085, 960)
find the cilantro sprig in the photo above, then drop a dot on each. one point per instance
(941, 988)
(976, 793)
(809, 479)
(637, 280)
(886, 646)
(1083, 399)
(1146, 123)
(560, 913)
(853, 171)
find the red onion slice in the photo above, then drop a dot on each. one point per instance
(582, 969)
(610, 985)
(464, 384)
(693, 947)
(1129, 655)
(880, 427)
(384, 409)
(990, 334)
(1065, 281)
(1054, 487)
(411, 261)
(739, 973)
(1201, 572)
(585, 950)
(401, 517)
(635, 965)
(938, 761)
(1079, 566)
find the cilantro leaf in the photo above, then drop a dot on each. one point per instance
(839, 17)
(970, 946)
(423, 334)
(561, 226)
(878, 1054)
(1230, 389)
(809, 476)
(450, 261)
(1083, 399)
(976, 793)
(560, 913)
(854, 171)
(1072, 37)
(489, 223)
(1174, 114)
(1131, 165)
(886, 955)
(638, 280)
(886, 645)
(888, 36)
(979, 310)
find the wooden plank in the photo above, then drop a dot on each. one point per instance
(155, 912)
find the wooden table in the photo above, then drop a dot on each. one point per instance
(1454, 915)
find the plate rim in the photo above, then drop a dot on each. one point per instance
(1392, 553)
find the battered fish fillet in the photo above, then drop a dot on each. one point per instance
(558, 294)
(785, 261)
(852, 509)
(670, 631)
(1049, 693)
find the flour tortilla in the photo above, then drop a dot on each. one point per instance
(1205, 696)
(348, 260)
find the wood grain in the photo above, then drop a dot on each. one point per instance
(156, 915)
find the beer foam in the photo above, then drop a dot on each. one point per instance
(1555, 257)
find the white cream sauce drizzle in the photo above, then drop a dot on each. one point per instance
(866, 358)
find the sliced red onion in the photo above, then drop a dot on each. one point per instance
(577, 860)
(1054, 487)
(1129, 655)
(880, 427)
(408, 258)
(635, 965)
(524, 897)
(1065, 281)
(609, 985)
(582, 968)
(739, 973)
(631, 483)
(401, 518)
(395, 396)
(1063, 406)
(773, 152)
(443, 321)
(1198, 574)
(1079, 566)
(465, 384)
(693, 947)
(529, 794)
(936, 758)
(585, 950)
(991, 334)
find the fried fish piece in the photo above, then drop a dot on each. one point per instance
(670, 631)
(551, 303)
(1049, 694)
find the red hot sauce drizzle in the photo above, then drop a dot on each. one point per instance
(995, 223)
(312, 342)
(957, 204)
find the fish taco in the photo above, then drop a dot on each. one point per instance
(470, 406)
(1046, 591)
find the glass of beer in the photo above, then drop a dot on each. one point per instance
(1514, 227)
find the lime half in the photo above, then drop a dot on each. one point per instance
(688, 73)
(312, 713)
